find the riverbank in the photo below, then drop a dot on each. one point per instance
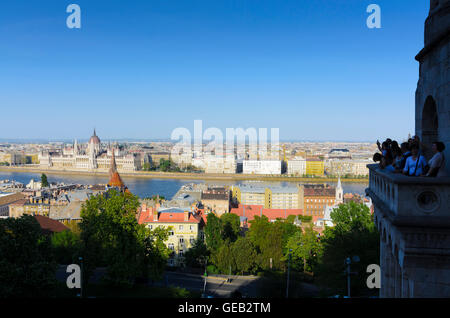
(181, 175)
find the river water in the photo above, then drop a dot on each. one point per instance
(144, 187)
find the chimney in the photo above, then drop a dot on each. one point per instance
(155, 215)
(186, 216)
(144, 207)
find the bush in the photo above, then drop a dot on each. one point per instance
(211, 269)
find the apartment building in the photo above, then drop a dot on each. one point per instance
(186, 226)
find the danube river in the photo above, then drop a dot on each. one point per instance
(144, 187)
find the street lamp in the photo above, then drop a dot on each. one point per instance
(348, 262)
(204, 260)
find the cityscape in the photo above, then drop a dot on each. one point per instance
(323, 174)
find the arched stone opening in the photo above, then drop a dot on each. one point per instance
(430, 123)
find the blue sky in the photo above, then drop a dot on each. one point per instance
(139, 69)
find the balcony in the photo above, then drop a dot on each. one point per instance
(412, 215)
(410, 201)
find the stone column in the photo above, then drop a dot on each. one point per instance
(398, 279)
(405, 284)
(388, 286)
(383, 268)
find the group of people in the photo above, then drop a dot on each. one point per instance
(409, 159)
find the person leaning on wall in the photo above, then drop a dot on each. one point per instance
(437, 162)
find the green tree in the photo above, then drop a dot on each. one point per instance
(27, 266)
(223, 258)
(213, 232)
(231, 226)
(244, 255)
(164, 165)
(305, 249)
(44, 181)
(268, 240)
(195, 255)
(66, 246)
(112, 237)
(354, 234)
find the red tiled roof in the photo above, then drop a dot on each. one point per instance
(272, 214)
(146, 216)
(315, 192)
(50, 225)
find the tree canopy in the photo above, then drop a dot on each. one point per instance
(354, 234)
(44, 181)
(27, 266)
(111, 237)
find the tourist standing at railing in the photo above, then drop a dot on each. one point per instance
(437, 162)
(406, 153)
(416, 164)
(384, 163)
(398, 158)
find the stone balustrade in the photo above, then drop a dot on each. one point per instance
(412, 215)
(410, 200)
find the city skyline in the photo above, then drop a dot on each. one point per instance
(314, 70)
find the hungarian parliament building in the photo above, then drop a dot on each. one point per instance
(90, 157)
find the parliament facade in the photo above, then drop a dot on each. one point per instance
(90, 157)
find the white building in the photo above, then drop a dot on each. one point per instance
(216, 164)
(296, 166)
(261, 167)
(347, 166)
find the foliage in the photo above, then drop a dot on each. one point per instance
(268, 239)
(194, 255)
(223, 258)
(27, 267)
(213, 232)
(44, 181)
(354, 234)
(66, 246)
(244, 255)
(305, 250)
(212, 269)
(167, 165)
(302, 218)
(112, 237)
(231, 226)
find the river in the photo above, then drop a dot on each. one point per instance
(148, 187)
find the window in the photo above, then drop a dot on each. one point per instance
(181, 253)
(191, 227)
(170, 232)
(181, 240)
(180, 227)
(150, 227)
(171, 247)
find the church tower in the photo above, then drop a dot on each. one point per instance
(75, 148)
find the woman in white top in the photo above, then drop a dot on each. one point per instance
(437, 162)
